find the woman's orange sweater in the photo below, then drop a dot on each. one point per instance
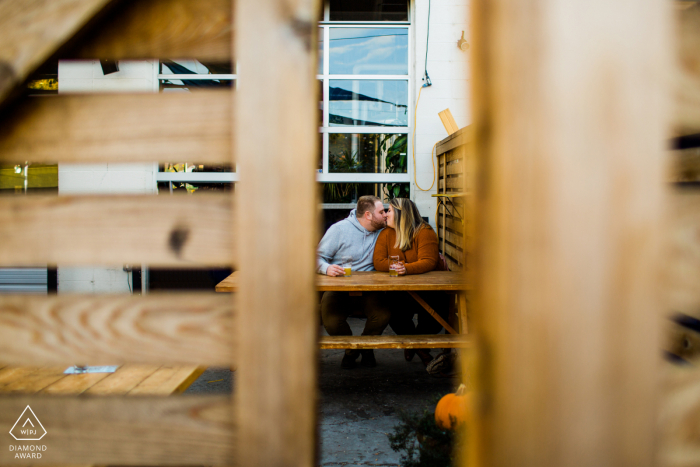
(423, 256)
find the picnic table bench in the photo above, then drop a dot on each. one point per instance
(375, 281)
(130, 380)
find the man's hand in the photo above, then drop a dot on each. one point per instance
(335, 270)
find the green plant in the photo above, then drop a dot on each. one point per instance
(422, 443)
(394, 148)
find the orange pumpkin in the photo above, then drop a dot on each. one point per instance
(453, 408)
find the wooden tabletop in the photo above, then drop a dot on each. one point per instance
(375, 281)
(126, 380)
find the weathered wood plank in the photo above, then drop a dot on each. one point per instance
(451, 237)
(371, 281)
(570, 219)
(455, 168)
(173, 29)
(460, 137)
(453, 224)
(33, 30)
(113, 329)
(188, 231)
(73, 385)
(122, 381)
(138, 431)
(276, 388)
(168, 380)
(435, 341)
(31, 380)
(455, 183)
(125, 128)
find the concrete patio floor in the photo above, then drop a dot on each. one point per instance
(358, 407)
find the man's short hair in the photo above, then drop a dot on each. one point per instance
(364, 204)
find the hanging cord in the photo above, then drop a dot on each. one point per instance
(413, 142)
(426, 78)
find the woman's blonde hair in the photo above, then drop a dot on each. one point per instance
(408, 222)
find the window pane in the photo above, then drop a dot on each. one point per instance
(364, 51)
(368, 102)
(189, 85)
(320, 51)
(369, 10)
(179, 67)
(367, 153)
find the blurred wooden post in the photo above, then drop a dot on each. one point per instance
(275, 139)
(570, 121)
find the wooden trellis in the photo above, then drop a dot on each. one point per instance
(569, 122)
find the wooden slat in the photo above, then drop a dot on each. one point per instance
(172, 29)
(122, 381)
(435, 341)
(31, 380)
(125, 128)
(139, 431)
(455, 168)
(453, 224)
(277, 119)
(570, 136)
(448, 121)
(454, 183)
(462, 136)
(452, 238)
(432, 312)
(33, 31)
(187, 231)
(113, 329)
(73, 385)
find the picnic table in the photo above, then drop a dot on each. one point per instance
(374, 281)
(126, 380)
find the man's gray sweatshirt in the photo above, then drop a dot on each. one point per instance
(347, 238)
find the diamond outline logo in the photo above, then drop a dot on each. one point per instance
(20, 418)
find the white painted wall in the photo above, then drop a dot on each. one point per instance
(448, 68)
(87, 77)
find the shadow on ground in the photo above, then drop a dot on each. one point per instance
(358, 407)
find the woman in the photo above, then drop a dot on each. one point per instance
(412, 239)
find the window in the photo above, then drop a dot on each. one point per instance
(364, 70)
(192, 76)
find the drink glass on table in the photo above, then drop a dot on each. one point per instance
(393, 264)
(346, 261)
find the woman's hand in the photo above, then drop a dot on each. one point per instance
(400, 268)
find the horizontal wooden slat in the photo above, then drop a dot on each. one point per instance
(33, 31)
(194, 328)
(453, 238)
(454, 183)
(187, 231)
(452, 224)
(119, 128)
(454, 253)
(182, 430)
(141, 29)
(462, 136)
(435, 341)
(455, 168)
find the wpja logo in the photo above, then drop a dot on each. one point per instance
(28, 428)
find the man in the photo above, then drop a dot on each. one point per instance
(354, 236)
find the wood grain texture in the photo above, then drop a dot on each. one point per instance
(276, 134)
(570, 134)
(182, 430)
(372, 281)
(168, 380)
(172, 29)
(187, 231)
(456, 139)
(32, 30)
(434, 341)
(686, 73)
(125, 128)
(113, 329)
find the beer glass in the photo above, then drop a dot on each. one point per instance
(346, 261)
(393, 264)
